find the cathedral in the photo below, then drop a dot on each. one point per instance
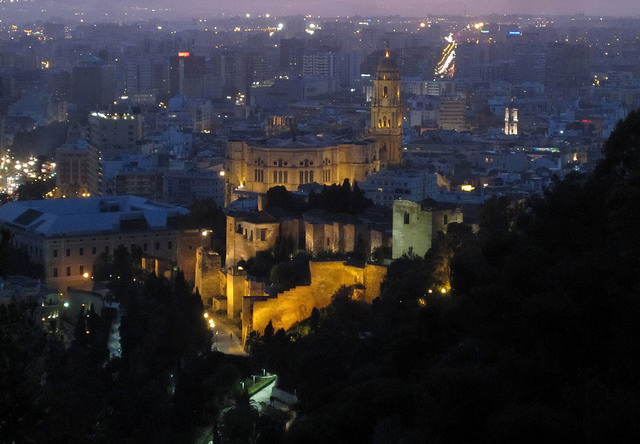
(256, 166)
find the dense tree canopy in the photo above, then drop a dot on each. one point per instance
(536, 340)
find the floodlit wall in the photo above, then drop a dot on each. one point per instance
(209, 279)
(327, 277)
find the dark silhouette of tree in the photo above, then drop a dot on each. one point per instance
(205, 214)
(268, 332)
(340, 199)
(278, 196)
(35, 189)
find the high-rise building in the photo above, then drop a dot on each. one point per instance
(318, 63)
(115, 133)
(186, 74)
(451, 115)
(77, 170)
(386, 113)
(93, 84)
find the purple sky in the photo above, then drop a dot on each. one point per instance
(422, 8)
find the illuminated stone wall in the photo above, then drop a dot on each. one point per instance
(245, 239)
(326, 278)
(188, 243)
(325, 235)
(247, 235)
(235, 291)
(208, 278)
(329, 237)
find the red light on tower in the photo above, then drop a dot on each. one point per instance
(184, 54)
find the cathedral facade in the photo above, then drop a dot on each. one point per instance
(255, 166)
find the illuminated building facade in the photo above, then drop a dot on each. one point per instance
(291, 163)
(451, 115)
(511, 119)
(77, 170)
(386, 113)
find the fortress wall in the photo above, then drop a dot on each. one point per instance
(327, 277)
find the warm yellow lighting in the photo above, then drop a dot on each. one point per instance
(206, 315)
(467, 188)
(443, 290)
(85, 275)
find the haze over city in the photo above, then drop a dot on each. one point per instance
(412, 8)
(120, 10)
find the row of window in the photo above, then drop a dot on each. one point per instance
(80, 271)
(306, 176)
(280, 177)
(94, 250)
(261, 234)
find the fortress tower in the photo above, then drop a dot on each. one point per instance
(386, 113)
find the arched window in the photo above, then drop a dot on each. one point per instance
(385, 92)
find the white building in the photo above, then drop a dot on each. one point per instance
(386, 186)
(66, 236)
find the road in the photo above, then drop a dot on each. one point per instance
(226, 337)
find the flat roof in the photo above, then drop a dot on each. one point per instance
(76, 216)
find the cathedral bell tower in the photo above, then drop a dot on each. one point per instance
(386, 113)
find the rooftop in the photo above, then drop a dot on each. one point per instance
(58, 217)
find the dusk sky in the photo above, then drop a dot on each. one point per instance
(418, 8)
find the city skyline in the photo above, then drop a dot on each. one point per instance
(417, 8)
(119, 10)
